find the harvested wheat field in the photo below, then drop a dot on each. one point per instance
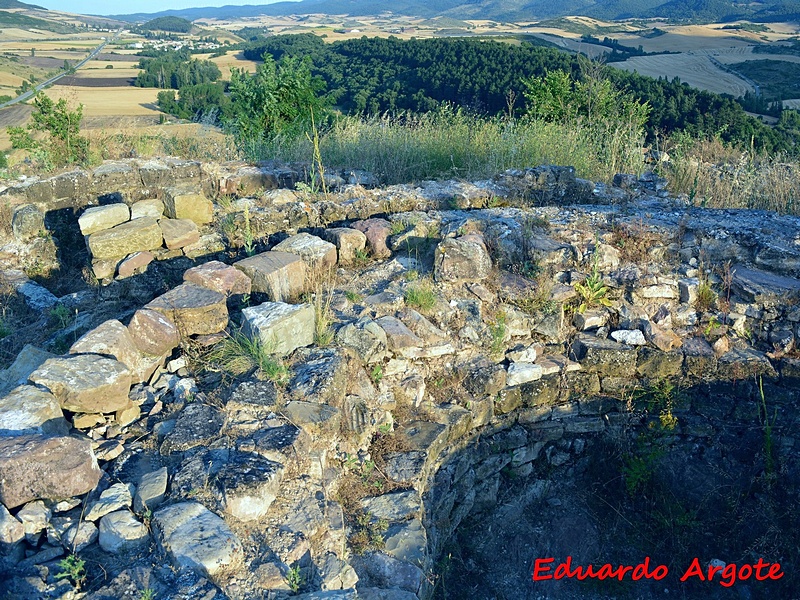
(95, 71)
(697, 70)
(793, 103)
(734, 55)
(108, 101)
(232, 59)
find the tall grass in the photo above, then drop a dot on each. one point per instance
(453, 143)
(719, 176)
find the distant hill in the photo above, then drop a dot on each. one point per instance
(16, 4)
(505, 10)
(21, 21)
(174, 24)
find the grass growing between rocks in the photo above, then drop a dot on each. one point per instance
(238, 354)
(420, 296)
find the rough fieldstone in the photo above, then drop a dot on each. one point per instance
(323, 376)
(104, 268)
(11, 531)
(347, 241)
(376, 231)
(249, 484)
(764, 288)
(121, 532)
(744, 364)
(699, 358)
(194, 309)
(662, 338)
(185, 204)
(98, 218)
(523, 372)
(657, 364)
(125, 239)
(27, 222)
(113, 339)
(72, 533)
(337, 574)
(151, 490)
(197, 424)
(381, 594)
(218, 276)
(153, 333)
(197, 539)
(33, 294)
(462, 259)
(395, 506)
(366, 337)
(135, 263)
(315, 251)
(407, 541)
(590, 319)
(631, 337)
(605, 356)
(116, 497)
(404, 467)
(389, 572)
(86, 383)
(28, 360)
(28, 409)
(34, 516)
(280, 275)
(152, 207)
(399, 337)
(281, 328)
(33, 467)
(178, 232)
(253, 399)
(312, 417)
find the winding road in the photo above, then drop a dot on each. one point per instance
(44, 84)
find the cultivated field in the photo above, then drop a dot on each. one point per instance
(108, 101)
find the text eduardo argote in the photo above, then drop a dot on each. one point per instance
(726, 575)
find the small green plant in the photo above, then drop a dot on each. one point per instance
(249, 241)
(706, 298)
(245, 300)
(713, 324)
(411, 275)
(61, 317)
(421, 296)
(497, 334)
(398, 227)
(377, 374)
(147, 594)
(237, 354)
(592, 290)
(767, 424)
(353, 297)
(295, 579)
(368, 533)
(73, 568)
(360, 257)
(5, 330)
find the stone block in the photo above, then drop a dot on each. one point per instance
(197, 539)
(376, 231)
(523, 372)
(125, 239)
(29, 409)
(186, 204)
(121, 532)
(462, 259)
(27, 361)
(315, 251)
(366, 337)
(194, 309)
(116, 497)
(249, 484)
(36, 467)
(151, 490)
(113, 339)
(27, 222)
(179, 232)
(280, 275)
(281, 328)
(606, 357)
(133, 264)
(218, 276)
(153, 333)
(152, 207)
(99, 218)
(85, 383)
(347, 241)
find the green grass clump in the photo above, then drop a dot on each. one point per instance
(237, 354)
(421, 296)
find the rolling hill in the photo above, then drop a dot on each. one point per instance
(505, 10)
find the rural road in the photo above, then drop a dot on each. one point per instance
(44, 84)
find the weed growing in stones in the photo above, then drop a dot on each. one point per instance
(497, 335)
(353, 297)
(237, 354)
(360, 258)
(147, 594)
(706, 297)
(73, 568)
(592, 291)
(420, 296)
(376, 374)
(767, 424)
(295, 579)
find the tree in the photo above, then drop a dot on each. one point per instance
(64, 144)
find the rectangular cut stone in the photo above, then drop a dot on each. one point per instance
(186, 204)
(194, 309)
(152, 207)
(113, 339)
(130, 237)
(35, 467)
(179, 232)
(86, 383)
(605, 356)
(218, 276)
(98, 218)
(153, 333)
(315, 251)
(347, 241)
(280, 275)
(280, 327)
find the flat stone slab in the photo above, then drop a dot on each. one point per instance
(29, 409)
(312, 417)
(366, 337)
(218, 276)
(153, 333)
(116, 497)
(763, 287)
(98, 218)
(121, 532)
(125, 239)
(407, 541)
(315, 251)
(151, 490)
(194, 309)
(197, 539)
(28, 360)
(179, 232)
(197, 424)
(399, 337)
(34, 467)
(281, 328)
(280, 275)
(462, 259)
(630, 337)
(396, 506)
(322, 377)
(604, 356)
(523, 372)
(186, 204)
(135, 263)
(85, 383)
(114, 340)
(33, 294)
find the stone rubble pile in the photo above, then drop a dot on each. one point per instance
(119, 448)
